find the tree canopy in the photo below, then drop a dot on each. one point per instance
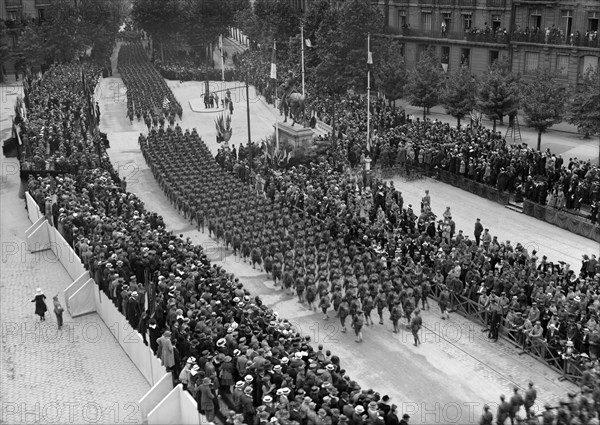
(69, 30)
(342, 44)
(389, 70)
(459, 95)
(544, 100)
(159, 18)
(584, 109)
(425, 82)
(498, 93)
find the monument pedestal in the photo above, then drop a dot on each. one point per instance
(298, 137)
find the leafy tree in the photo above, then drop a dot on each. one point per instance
(584, 111)
(205, 21)
(389, 70)
(342, 44)
(269, 20)
(498, 94)
(62, 32)
(543, 102)
(159, 18)
(459, 95)
(100, 20)
(425, 82)
(32, 52)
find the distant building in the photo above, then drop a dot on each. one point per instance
(559, 35)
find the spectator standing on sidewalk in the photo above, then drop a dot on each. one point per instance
(40, 304)
(58, 311)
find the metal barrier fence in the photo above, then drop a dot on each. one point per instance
(566, 365)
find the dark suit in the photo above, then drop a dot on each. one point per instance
(392, 419)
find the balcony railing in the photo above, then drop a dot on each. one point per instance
(472, 36)
(496, 3)
(557, 38)
(42, 3)
(14, 4)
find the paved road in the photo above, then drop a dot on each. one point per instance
(79, 375)
(446, 380)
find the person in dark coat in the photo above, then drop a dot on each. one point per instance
(392, 416)
(155, 333)
(58, 311)
(40, 304)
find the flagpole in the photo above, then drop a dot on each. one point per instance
(368, 97)
(222, 65)
(302, 43)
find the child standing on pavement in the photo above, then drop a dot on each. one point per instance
(58, 311)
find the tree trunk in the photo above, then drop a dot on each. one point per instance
(424, 112)
(162, 52)
(494, 129)
(539, 145)
(458, 122)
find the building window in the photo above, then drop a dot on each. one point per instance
(426, 21)
(402, 18)
(494, 55)
(562, 65)
(496, 22)
(12, 15)
(535, 19)
(446, 19)
(588, 62)
(445, 58)
(41, 14)
(467, 21)
(401, 49)
(593, 21)
(465, 57)
(567, 22)
(532, 62)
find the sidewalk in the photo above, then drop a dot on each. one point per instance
(79, 375)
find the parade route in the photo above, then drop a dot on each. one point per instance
(448, 378)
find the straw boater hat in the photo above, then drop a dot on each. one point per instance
(38, 291)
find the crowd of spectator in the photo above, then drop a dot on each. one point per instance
(56, 119)
(554, 35)
(148, 95)
(473, 152)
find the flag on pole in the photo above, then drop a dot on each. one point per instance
(369, 59)
(166, 103)
(308, 43)
(273, 65)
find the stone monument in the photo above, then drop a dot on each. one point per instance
(298, 137)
